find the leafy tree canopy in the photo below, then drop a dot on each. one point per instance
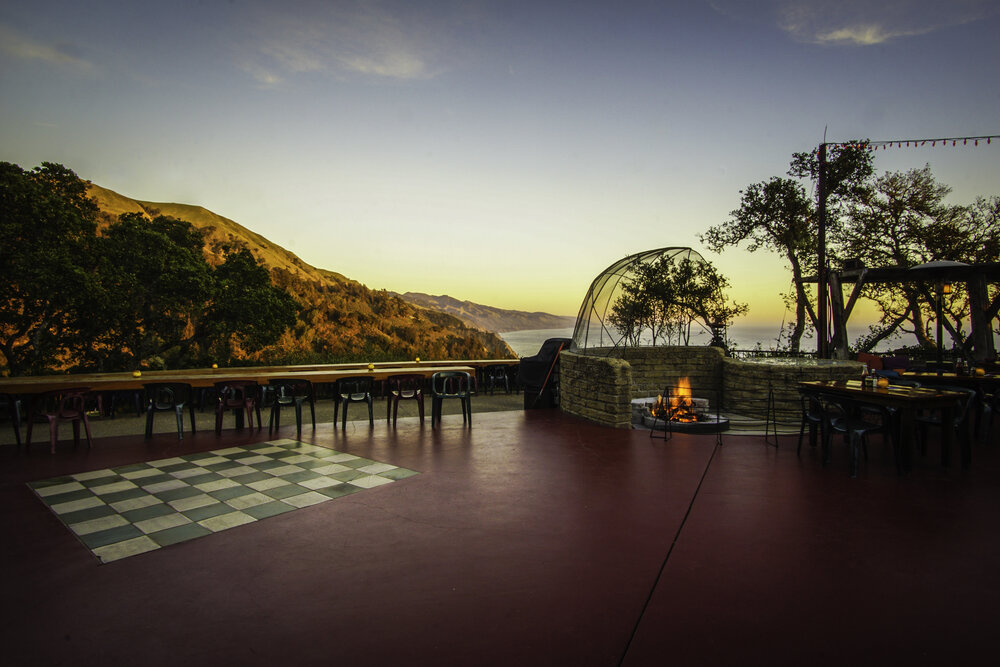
(47, 227)
(140, 293)
(667, 296)
(778, 216)
(902, 220)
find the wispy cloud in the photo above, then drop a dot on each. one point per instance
(369, 39)
(19, 46)
(858, 22)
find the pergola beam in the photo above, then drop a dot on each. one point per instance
(976, 276)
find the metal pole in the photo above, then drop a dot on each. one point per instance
(940, 355)
(822, 343)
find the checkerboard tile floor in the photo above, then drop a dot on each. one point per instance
(133, 509)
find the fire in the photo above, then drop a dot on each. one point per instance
(678, 408)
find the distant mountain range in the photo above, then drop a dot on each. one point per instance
(343, 318)
(489, 318)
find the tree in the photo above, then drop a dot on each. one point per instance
(778, 216)
(247, 312)
(47, 230)
(903, 221)
(161, 302)
(668, 296)
(154, 284)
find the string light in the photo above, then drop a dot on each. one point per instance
(917, 143)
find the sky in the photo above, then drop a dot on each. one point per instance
(500, 152)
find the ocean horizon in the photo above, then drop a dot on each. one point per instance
(743, 336)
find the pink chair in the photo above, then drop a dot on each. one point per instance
(57, 406)
(238, 396)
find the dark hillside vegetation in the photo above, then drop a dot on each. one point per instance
(98, 281)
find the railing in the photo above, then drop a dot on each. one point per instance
(769, 354)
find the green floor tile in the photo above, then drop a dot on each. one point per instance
(265, 510)
(103, 538)
(207, 511)
(178, 534)
(149, 512)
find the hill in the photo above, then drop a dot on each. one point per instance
(489, 318)
(341, 319)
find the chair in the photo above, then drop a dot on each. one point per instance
(538, 377)
(57, 406)
(12, 408)
(991, 405)
(404, 387)
(354, 390)
(856, 422)
(451, 384)
(959, 425)
(239, 396)
(290, 392)
(814, 417)
(496, 376)
(898, 362)
(168, 397)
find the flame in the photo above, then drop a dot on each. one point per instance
(680, 407)
(684, 388)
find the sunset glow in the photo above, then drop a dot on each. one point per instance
(499, 152)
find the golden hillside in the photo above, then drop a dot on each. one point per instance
(341, 319)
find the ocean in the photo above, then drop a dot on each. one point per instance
(744, 336)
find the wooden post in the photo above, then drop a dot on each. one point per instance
(839, 313)
(982, 330)
(822, 342)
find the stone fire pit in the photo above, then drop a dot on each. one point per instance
(706, 420)
(599, 384)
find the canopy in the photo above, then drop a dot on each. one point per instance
(593, 330)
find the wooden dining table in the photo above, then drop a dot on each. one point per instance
(985, 385)
(203, 377)
(969, 380)
(907, 402)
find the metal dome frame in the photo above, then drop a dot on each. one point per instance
(592, 329)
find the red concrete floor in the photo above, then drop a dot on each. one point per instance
(531, 539)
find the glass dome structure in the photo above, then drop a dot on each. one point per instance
(594, 327)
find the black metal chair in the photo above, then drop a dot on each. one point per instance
(58, 406)
(451, 385)
(991, 405)
(241, 396)
(857, 421)
(12, 409)
(496, 377)
(356, 389)
(168, 397)
(814, 417)
(404, 387)
(964, 407)
(291, 392)
(538, 375)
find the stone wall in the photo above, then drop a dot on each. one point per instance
(746, 384)
(600, 388)
(596, 388)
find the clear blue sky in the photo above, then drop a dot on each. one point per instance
(501, 152)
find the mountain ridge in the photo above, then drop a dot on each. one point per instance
(489, 318)
(341, 318)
